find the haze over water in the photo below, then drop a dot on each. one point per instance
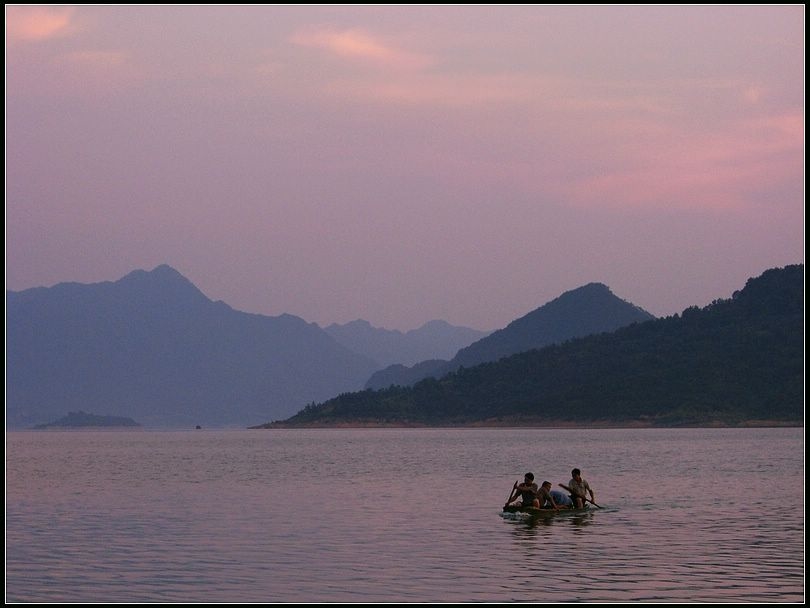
(375, 515)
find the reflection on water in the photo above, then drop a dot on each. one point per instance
(401, 515)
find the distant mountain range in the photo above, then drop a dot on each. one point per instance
(153, 347)
(738, 361)
(435, 339)
(80, 420)
(590, 309)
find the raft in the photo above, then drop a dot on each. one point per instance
(520, 512)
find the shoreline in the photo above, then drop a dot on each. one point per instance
(534, 424)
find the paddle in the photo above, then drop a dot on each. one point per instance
(579, 495)
(508, 500)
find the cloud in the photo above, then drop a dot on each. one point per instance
(35, 24)
(358, 45)
(723, 169)
(81, 74)
(753, 94)
(786, 130)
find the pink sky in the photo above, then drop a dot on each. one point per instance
(406, 163)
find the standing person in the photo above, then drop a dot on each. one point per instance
(578, 488)
(546, 497)
(528, 492)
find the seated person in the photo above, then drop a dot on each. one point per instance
(528, 492)
(546, 497)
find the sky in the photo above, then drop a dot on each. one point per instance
(404, 163)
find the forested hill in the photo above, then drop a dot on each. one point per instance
(736, 361)
(590, 309)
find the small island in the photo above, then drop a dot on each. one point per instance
(80, 419)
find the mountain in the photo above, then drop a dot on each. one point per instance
(434, 340)
(590, 309)
(737, 361)
(151, 346)
(76, 420)
(402, 375)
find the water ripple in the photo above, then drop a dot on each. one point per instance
(399, 516)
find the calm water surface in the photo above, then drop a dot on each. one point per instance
(389, 515)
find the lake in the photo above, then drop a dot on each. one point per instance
(402, 515)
